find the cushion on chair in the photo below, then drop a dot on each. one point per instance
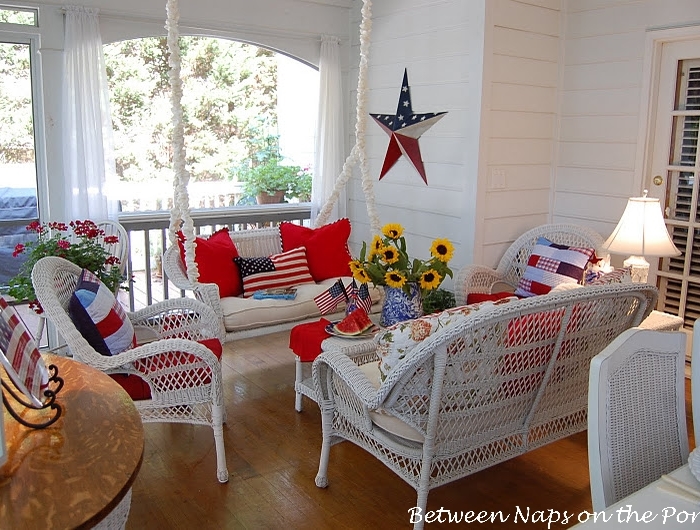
(326, 247)
(138, 389)
(475, 298)
(551, 264)
(279, 270)
(99, 317)
(214, 257)
(395, 343)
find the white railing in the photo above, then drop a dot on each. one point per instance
(148, 239)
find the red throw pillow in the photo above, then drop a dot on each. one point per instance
(475, 298)
(326, 247)
(214, 257)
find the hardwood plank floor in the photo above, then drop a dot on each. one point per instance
(272, 453)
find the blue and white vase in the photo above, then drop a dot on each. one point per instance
(399, 306)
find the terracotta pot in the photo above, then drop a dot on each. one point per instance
(266, 198)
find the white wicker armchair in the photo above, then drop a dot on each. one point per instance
(481, 279)
(636, 421)
(484, 388)
(184, 376)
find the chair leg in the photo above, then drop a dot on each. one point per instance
(217, 424)
(298, 376)
(327, 427)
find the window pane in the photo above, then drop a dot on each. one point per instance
(26, 17)
(18, 189)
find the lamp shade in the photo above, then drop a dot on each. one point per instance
(641, 230)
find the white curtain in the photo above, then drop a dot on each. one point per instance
(329, 153)
(88, 154)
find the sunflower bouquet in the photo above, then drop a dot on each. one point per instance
(386, 262)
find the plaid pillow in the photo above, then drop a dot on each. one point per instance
(551, 264)
(21, 359)
(99, 317)
(279, 270)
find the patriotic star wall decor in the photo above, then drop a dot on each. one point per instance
(404, 129)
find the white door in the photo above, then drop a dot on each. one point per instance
(674, 175)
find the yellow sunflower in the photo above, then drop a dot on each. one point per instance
(395, 279)
(442, 249)
(360, 275)
(430, 279)
(355, 265)
(389, 255)
(375, 247)
(392, 230)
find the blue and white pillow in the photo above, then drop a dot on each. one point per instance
(99, 317)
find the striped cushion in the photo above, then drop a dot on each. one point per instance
(21, 359)
(99, 317)
(551, 264)
(279, 270)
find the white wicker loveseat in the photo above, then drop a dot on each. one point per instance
(247, 317)
(486, 387)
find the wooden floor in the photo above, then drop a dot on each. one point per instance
(272, 453)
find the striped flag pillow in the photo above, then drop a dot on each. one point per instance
(99, 317)
(21, 359)
(279, 270)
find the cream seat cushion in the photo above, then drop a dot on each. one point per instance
(383, 419)
(247, 313)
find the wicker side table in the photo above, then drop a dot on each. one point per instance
(660, 321)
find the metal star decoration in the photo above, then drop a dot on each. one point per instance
(404, 129)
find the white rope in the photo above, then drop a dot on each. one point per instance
(180, 212)
(358, 153)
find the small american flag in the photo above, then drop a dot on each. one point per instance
(360, 296)
(21, 358)
(329, 299)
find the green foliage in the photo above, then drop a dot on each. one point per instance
(227, 86)
(438, 300)
(86, 248)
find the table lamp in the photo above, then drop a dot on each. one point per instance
(641, 232)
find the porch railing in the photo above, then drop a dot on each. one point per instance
(148, 239)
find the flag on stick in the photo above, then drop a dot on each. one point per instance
(329, 299)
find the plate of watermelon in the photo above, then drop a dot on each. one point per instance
(356, 325)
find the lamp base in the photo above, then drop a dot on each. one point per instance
(640, 268)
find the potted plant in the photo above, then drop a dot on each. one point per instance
(272, 182)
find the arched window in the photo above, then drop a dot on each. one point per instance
(249, 122)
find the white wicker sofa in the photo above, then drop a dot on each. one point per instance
(247, 317)
(483, 388)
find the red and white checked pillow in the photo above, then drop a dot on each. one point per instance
(99, 317)
(551, 264)
(21, 359)
(279, 270)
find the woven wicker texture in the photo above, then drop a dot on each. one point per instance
(480, 279)
(637, 428)
(116, 519)
(695, 381)
(490, 386)
(184, 376)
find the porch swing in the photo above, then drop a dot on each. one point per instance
(179, 259)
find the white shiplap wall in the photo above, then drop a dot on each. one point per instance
(598, 155)
(440, 43)
(518, 132)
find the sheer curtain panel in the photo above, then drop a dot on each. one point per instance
(87, 126)
(329, 154)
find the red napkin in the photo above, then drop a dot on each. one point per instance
(305, 339)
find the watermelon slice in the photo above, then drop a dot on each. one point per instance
(354, 324)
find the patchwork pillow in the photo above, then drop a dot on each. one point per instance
(279, 270)
(99, 317)
(326, 247)
(395, 343)
(475, 298)
(551, 264)
(214, 256)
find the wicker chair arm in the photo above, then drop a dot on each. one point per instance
(179, 317)
(345, 369)
(475, 279)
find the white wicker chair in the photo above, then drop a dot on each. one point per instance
(485, 388)
(695, 381)
(481, 279)
(184, 376)
(120, 249)
(636, 413)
